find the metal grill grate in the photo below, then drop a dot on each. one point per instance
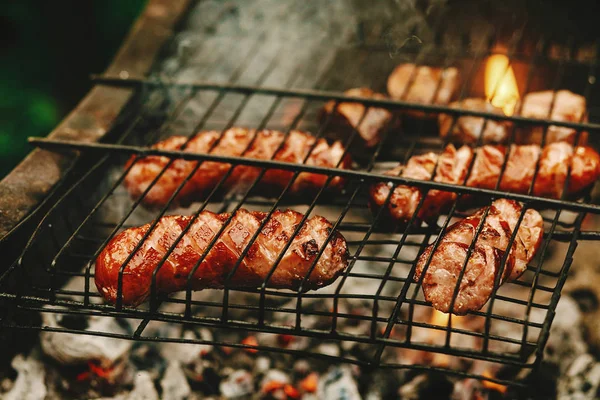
(375, 305)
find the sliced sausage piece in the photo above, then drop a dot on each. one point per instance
(452, 167)
(468, 129)
(346, 117)
(568, 107)
(422, 84)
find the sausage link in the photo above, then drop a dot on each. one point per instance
(452, 167)
(447, 261)
(235, 142)
(172, 276)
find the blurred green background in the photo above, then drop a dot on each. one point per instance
(49, 49)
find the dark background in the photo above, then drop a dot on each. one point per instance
(48, 50)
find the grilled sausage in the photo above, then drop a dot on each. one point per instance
(565, 106)
(468, 129)
(346, 117)
(234, 142)
(448, 259)
(422, 84)
(222, 257)
(452, 167)
(554, 161)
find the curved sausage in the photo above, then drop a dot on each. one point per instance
(222, 257)
(441, 274)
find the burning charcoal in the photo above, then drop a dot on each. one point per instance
(382, 384)
(174, 384)
(468, 129)
(274, 384)
(70, 349)
(188, 353)
(427, 386)
(566, 341)
(582, 380)
(29, 384)
(422, 85)
(347, 116)
(143, 388)
(301, 367)
(330, 349)
(237, 384)
(467, 389)
(567, 107)
(262, 365)
(338, 384)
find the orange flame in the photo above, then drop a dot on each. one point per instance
(492, 385)
(438, 337)
(439, 318)
(500, 84)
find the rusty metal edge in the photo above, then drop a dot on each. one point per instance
(24, 189)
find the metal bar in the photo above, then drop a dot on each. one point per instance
(327, 95)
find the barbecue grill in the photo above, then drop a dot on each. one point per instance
(262, 77)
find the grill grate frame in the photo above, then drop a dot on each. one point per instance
(74, 213)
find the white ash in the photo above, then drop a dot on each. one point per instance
(174, 383)
(274, 375)
(188, 353)
(143, 388)
(566, 341)
(582, 380)
(262, 364)
(338, 384)
(29, 384)
(237, 384)
(76, 349)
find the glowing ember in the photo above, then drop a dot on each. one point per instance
(438, 337)
(439, 318)
(291, 392)
(309, 384)
(500, 83)
(492, 385)
(250, 341)
(284, 340)
(95, 370)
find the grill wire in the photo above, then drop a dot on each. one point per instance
(378, 280)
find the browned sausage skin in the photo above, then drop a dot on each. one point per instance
(448, 259)
(554, 161)
(348, 116)
(263, 144)
(222, 257)
(422, 84)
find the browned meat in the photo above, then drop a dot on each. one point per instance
(452, 167)
(440, 277)
(419, 84)
(222, 257)
(234, 142)
(554, 161)
(347, 116)
(468, 129)
(568, 107)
